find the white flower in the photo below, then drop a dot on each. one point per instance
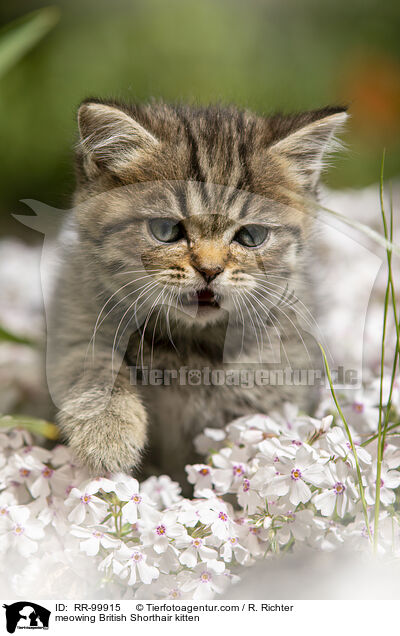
(390, 480)
(196, 550)
(338, 444)
(232, 548)
(248, 495)
(215, 514)
(201, 476)
(293, 523)
(250, 430)
(230, 468)
(167, 561)
(300, 428)
(297, 473)
(391, 456)
(133, 563)
(62, 455)
(162, 491)
(15, 438)
(22, 469)
(327, 535)
(22, 532)
(127, 489)
(356, 533)
(188, 512)
(94, 537)
(362, 413)
(7, 499)
(375, 387)
(166, 586)
(268, 482)
(206, 580)
(287, 418)
(50, 480)
(36, 453)
(51, 511)
(389, 533)
(158, 528)
(274, 449)
(86, 504)
(341, 494)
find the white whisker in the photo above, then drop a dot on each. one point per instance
(238, 307)
(147, 288)
(269, 317)
(141, 345)
(296, 310)
(269, 294)
(97, 325)
(255, 333)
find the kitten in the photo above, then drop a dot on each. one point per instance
(192, 251)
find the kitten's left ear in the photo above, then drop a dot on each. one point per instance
(110, 138)
(307, 147)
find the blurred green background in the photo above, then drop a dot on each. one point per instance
(264, 54)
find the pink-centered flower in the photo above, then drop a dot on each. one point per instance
(298, 474)
(128, 491)
(196, 550)
(131, 562)
(215, 514)
(86, 503)
(201, 476)
(390, 480)
(206, 580)
(22, 532)
(93, 537)
(339, 493)
(157, 529)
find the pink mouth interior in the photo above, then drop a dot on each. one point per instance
(202, 298)
(206, 297)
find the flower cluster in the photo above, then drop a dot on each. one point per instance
(268, 485)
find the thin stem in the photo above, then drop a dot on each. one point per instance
(353, 448)
(397, 326)
(390, 290)
(371, 439)
(385, 313)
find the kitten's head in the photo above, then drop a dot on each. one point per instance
(203, 208)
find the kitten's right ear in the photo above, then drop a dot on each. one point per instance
(111, 139)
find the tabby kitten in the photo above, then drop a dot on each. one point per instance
(191, 249)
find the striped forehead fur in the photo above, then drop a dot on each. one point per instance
(213, 144)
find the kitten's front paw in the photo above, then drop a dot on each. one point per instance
(110, 441)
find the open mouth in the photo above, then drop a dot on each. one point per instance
(202, 298)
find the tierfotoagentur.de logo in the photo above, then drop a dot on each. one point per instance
(26, 615)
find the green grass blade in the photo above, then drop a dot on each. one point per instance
(353, 448)
(396, 318)
(18, 37)
(379, 456)
(382, 429)
(314, 208)
(8, 336)
(31, 424)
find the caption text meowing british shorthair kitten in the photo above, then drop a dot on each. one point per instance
(191, 262)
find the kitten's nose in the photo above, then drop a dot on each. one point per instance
(209, 258)
(209, 273)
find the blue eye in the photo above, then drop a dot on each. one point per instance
(251, 235)
(166, 230)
